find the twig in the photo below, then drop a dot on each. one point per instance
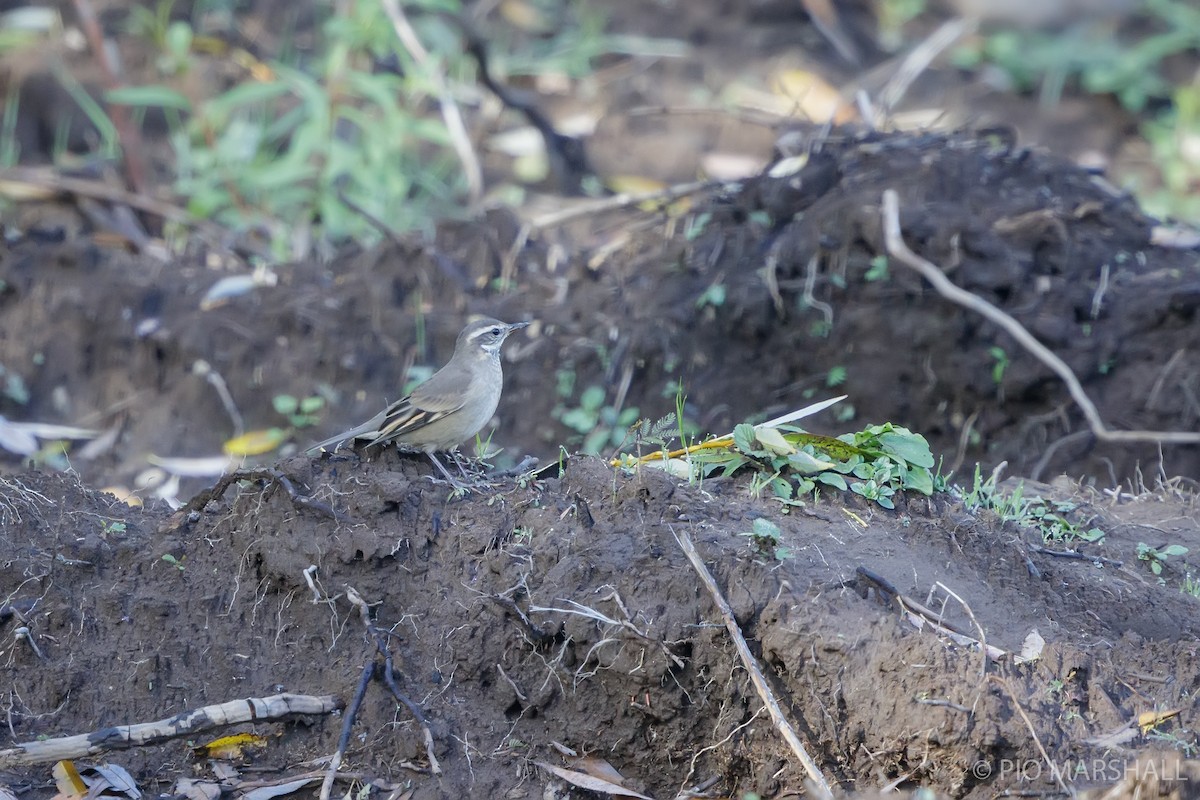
(388, 231)
(896, 248)
(205, 496)
(539, 636)
(389, 680)
(1037, 548)
(347, 725)
(45, 178)
(971, 616)
(1029, 724)
(919, 59)
(619, 201)
(203, 369)
(450, 113)
(760, 682)
(131, 140)
(189, 723)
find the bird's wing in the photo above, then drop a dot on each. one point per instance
(438, 397)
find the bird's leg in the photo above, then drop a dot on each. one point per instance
(453, 480)
(458, 461)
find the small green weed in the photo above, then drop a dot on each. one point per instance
(14, 387)
(1156, 557)
(765, 537)
(598, 426)
(1051, 518)
(1000, 357)
(878, 270)
(299, 412)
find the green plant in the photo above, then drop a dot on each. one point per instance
(299, 412)
(1051, 518)
(1174, 137)
(172, 38)
(791, 464)
(713, 296)
(878, 270)
(765, 537)
(1000, 357)
(1156, 557)
(1190, 585)
(339, 147)
(1130, 70)
(599, 426)
(108, 526)
(14, 387)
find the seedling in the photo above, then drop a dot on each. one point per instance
(1156, 557)
(300, 413)
(765, 537)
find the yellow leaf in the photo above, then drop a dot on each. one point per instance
(811, 97)
(255, 443)
(67, 779)
(126, 496)
(230, 748)
(634, 184)
(1148, 720)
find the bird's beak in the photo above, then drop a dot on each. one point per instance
(514, 326)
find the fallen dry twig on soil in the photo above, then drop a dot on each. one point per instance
(748, 661)
(122, 737)
(896, 248)
(1058, 778)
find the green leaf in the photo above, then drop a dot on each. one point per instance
(1174, 550)
(251, 93)
(773, 441)
(592, 398)
(831, 479)
(919, 480)
(285, 404)
(156, 96)
(312, 404)
(806, 464)
(744, 438)
(766, 529)
(912, 447)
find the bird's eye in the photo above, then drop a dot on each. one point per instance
(496, 331)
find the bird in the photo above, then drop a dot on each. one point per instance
(450, 407)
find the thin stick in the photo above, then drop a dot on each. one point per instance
(756, 675)
(455, 126)
(17, 178)
(896, 248)
(1029, 724)
(619, 201)
(132, 149)
(347, 727)
(389, 679)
